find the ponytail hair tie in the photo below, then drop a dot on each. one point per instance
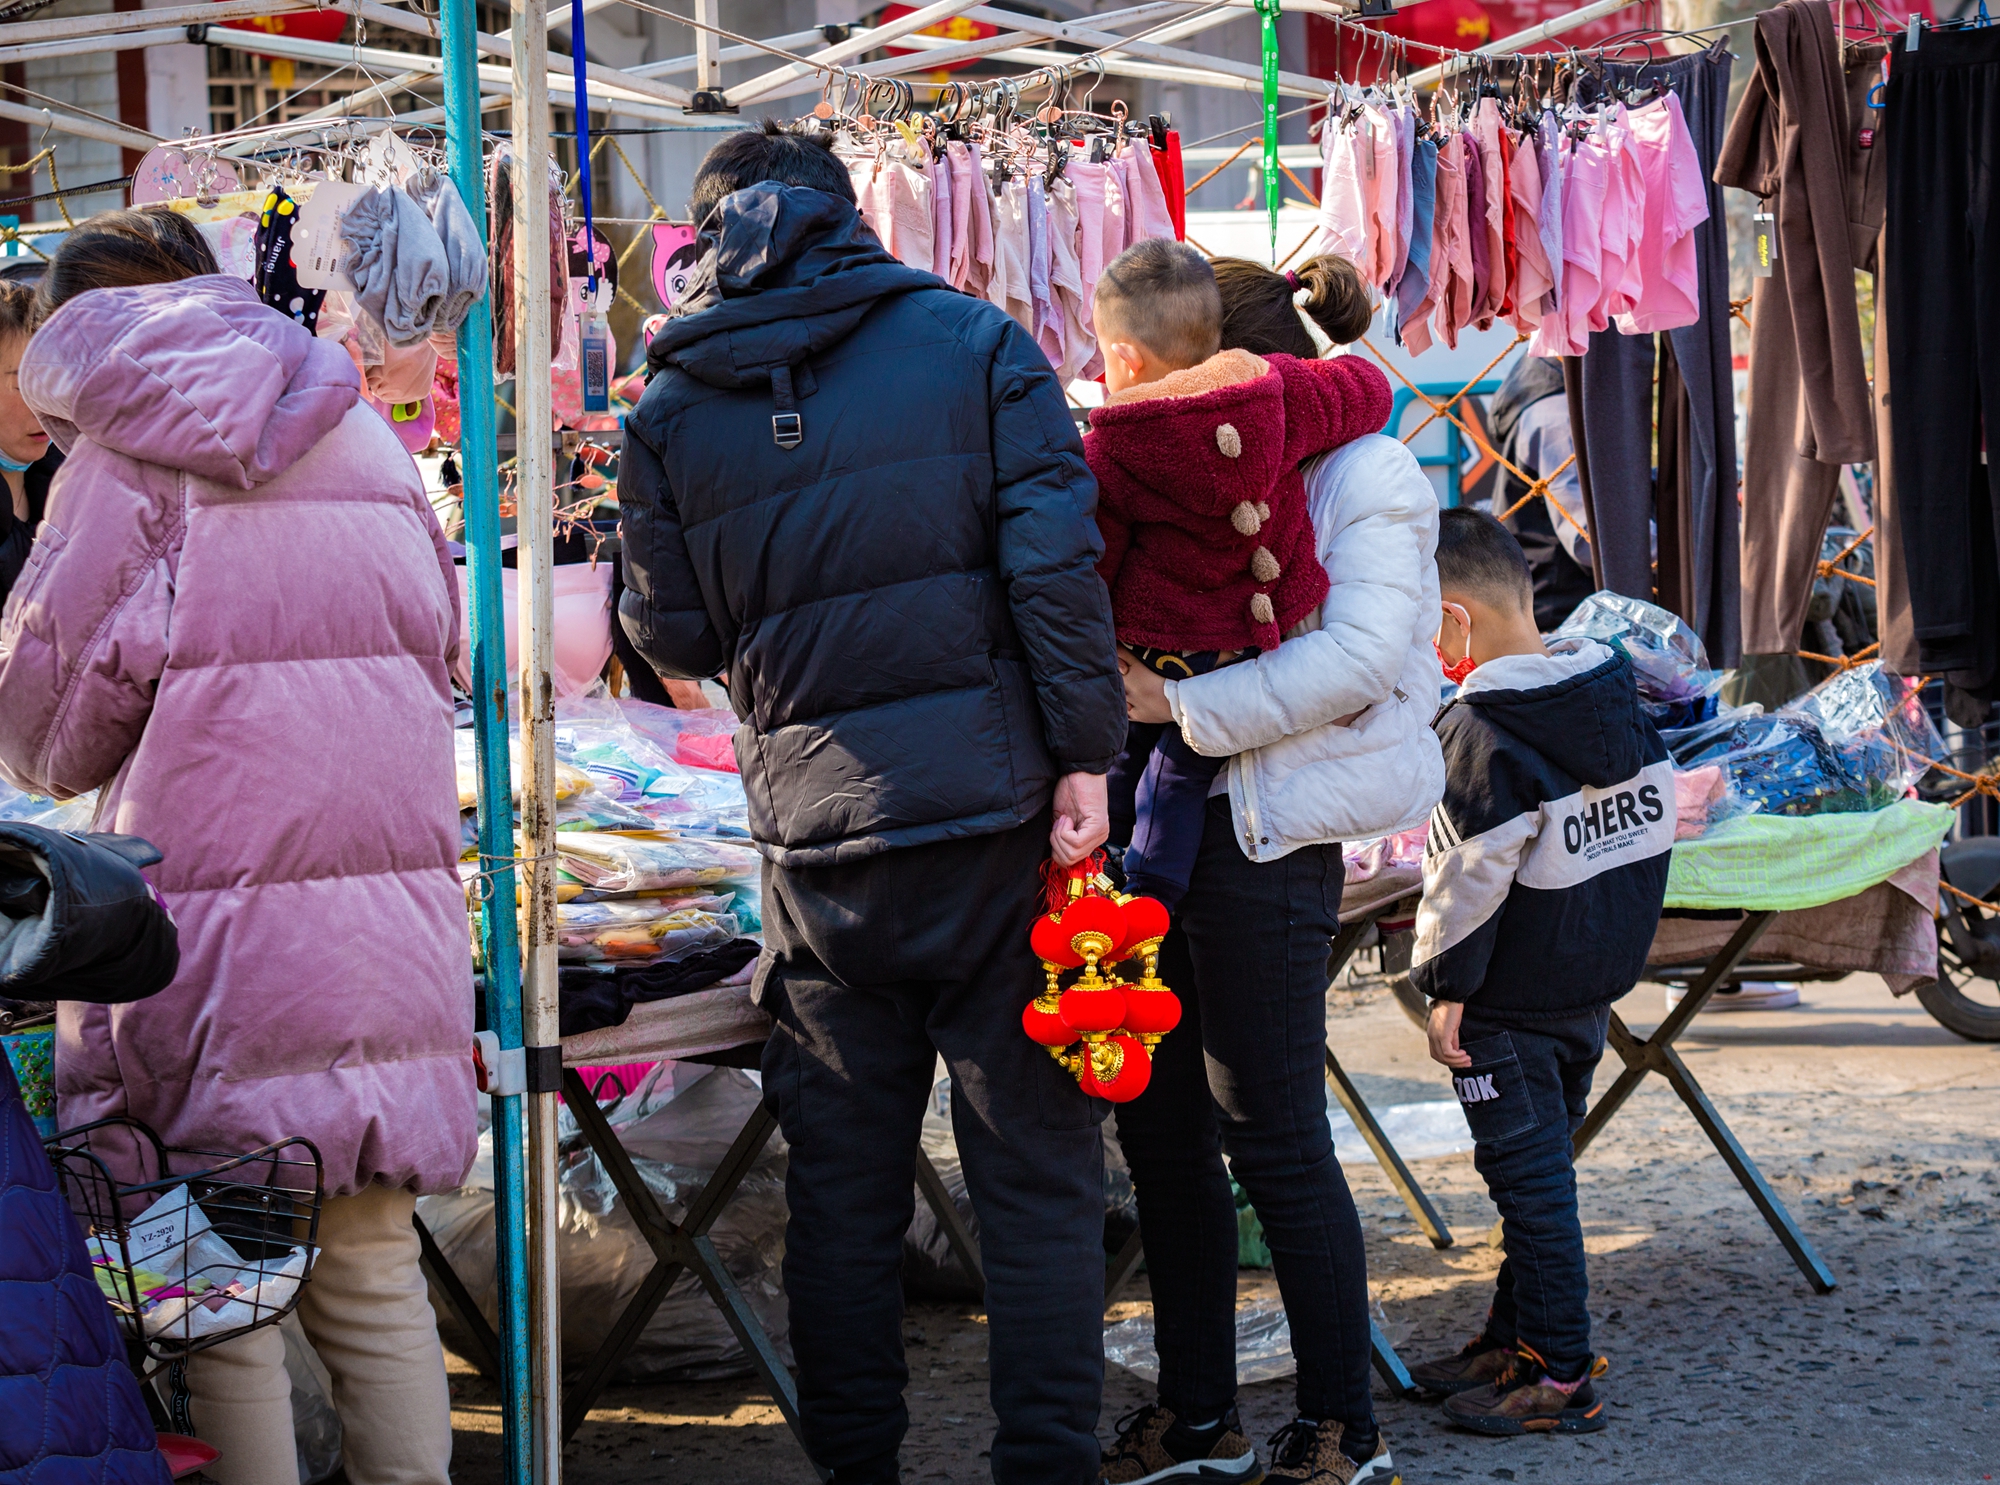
(1292, 279)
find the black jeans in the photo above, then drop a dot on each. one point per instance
(1524, 1097)
(874, 969)
(1246, 1071)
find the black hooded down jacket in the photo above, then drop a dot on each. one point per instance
(861, 494)
(1547, 861)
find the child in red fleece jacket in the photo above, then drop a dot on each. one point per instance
(1209, 550)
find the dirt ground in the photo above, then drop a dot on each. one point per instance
(1876, 1127)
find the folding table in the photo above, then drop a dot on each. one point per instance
(1837, 893)
(722, 1027)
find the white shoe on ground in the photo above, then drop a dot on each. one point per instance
(1755, 995)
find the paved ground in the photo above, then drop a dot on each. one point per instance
(1875, 1125)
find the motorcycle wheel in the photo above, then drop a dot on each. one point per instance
(1962, 1002)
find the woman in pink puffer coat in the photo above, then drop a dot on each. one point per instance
(238, 618)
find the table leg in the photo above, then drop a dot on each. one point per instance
(1386, 1154)
(1388, 1365)
(676, 1246)
(963, 1244)
(477, 1329)
(1122, 1267)
(1656, 1053)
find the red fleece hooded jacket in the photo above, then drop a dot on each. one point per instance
(1207, 541)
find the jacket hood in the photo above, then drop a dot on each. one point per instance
(1577, 706)
(1532, 379)
(197, 375)
(786, 273)
(1206, 438)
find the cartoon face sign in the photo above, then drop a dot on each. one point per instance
(674, 257)
(579, 274)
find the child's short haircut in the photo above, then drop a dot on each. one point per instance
(1162, 294)
(1479, 556)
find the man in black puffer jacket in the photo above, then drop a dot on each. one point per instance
(861, 496)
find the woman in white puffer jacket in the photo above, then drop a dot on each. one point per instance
(1328, 739)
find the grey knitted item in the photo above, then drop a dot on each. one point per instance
(464, 248)
(397, 262)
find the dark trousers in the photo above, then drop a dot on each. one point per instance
(1245, 1071)
(1942, 304)
(1159, 803)
(1524, 1097)
(874, 969)
(1612, 413)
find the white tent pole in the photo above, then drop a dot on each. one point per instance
(1521, 40)
(110, 23)
(396, 84)
(534, 488)
(333, 53)
(928, 15)
(707, 67)
(502, 46)
(77, 46)
(66, 123)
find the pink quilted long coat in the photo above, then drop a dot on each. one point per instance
(239, 618)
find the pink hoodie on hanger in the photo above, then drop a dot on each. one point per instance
(1343, 200)
(1451, 253)
(1088, 179)
(1067, 339)
(1113, 222)
(941, 210)
(1381, 187)
(979, 265)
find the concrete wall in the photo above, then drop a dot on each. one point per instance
(88, 81)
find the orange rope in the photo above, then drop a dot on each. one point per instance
(1842, 663)
(1831, 565)
(1222, 167)
(1978, 902)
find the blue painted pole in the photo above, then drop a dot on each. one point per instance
(479, 466)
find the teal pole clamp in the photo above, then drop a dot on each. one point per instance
(480, 490)
(1267, 11)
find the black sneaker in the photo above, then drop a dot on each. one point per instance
(1311, 1452)
(1478, 1362)
(1155, 1445)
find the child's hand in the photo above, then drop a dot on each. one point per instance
(1442, 1030)
(1145, 690)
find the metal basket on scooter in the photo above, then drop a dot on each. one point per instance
(201, 1248)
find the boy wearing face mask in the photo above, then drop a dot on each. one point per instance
(1543, 882)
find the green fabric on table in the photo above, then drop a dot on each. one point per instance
(1783, 862)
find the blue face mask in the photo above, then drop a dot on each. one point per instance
(13, 468)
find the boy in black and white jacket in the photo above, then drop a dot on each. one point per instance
(1543, 883)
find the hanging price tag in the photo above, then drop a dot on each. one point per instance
(596, 365)
(1763, 243)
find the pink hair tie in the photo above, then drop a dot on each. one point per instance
(1292, 278)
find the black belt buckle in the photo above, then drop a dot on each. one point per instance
(787, 430)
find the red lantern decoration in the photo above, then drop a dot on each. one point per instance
(1151, 1014)
(1117, 1069)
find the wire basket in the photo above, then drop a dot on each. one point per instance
(204, 1246)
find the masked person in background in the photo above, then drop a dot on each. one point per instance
(238, 620)
(28, 460)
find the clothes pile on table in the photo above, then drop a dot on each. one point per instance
(657, 893)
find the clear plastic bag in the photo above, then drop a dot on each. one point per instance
(1855, 743)
(613, 865)
(1671, 663)
(642, 930)
(53, 814)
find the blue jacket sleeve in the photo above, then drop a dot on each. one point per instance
(1046, 499)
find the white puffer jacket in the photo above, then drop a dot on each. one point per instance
(1295, 779)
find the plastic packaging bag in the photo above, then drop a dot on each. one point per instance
(568, 779)
(676, 1126)
(315, 1425)
(53, 814)
(623, 864)
(629, 749)
(1263, 1343)
(1855, 743)
(191, 1283)
(641, 930)
(1675, 684)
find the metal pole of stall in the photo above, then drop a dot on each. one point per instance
(479, 470)
(534, 476)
